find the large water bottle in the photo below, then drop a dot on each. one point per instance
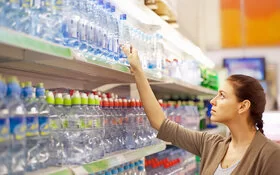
(32, 128)
(98, 33)
(124, 39)
(24, 21)
(11, 11)
(56, 114)
(106, 29)
(110, 32)
(56, 21)
(88, 135)
(91, 27)
(99, 125)
(17, 127)
(83, 25)
(4, 130)
(76, 136)
(71, 18)
(115, 34)
(44, 128)
(131, 137)
(65, 136)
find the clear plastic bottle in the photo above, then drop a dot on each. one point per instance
(4, 128)
(116, 34)
(88, 135)
(44, 129)
(56, 113)
(32, 129)
(71, 18)
(83, 25)
(65, 135)
(98, 33)
(24, 21)
(91, 27)
(124, 38)
(11, 11)
(16, 114)
(77, 131)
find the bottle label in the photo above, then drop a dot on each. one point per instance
(17, 127)
(73, 28)
(32, 126)
(83, 31)
(104, 41)
(89, 123)
(90, 29)
(81, 124)
(25, 3)
(65, 123)
(54, 124)
(4, 129)
(44, 125)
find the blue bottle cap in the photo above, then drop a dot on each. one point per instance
(108, 173)
(113, 8)
(3, 88)
(126, 167)
(131, 165)
(140, 162)
(100, 2)
(13, 86)
(107, 5)
(120, 169)
(136, 163)
(114, 171)
(123, 17)
(140, 168)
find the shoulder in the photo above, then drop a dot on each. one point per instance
(271, 149)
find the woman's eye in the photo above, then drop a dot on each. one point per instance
(222, 96)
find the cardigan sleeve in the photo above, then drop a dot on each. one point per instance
(192, 141)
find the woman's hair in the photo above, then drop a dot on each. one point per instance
(248, 88)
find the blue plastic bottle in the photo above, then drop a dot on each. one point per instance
(17, 127)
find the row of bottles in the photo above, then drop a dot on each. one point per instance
(130, 168)
(93, 28)
(185, 115)
(173, 160)
(39, 129)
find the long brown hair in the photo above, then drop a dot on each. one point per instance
(248, 88)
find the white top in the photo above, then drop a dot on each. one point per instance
(226, 171)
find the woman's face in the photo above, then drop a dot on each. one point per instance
(224, 105)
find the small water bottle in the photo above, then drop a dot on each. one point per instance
(141, 170)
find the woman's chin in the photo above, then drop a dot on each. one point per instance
(214, 119)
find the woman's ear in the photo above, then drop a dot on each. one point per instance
(244, 106)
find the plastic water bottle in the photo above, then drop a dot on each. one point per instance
(32, 128)
(44, 129)
(83, 25)
(24, 22)
(17, 127)
(110, 32)
(88, 135)
(4, 130)
(106, 28)
(91, 27)
(115, 35)
(98, 33)
(71, 18)
(56, 18)
(65, 136)
(108, 141)
(76, 136)
(124, 39)
(56, 114)
(11, 13)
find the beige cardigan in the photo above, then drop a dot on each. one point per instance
(261, 157)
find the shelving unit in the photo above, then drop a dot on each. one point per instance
(33, 59)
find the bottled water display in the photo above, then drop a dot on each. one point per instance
(55, 128)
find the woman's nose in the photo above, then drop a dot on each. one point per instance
(213, 101)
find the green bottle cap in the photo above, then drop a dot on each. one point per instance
(84, 99)
(40, 85)
(91, 100)
(96, 100)
(50, 98)
(67, 100)
(58, 99)
(76, 98)
(13, 79)
(28, 84)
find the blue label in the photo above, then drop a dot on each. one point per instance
(17, 127)
(32, 126)
(44, 125)
(4, 129)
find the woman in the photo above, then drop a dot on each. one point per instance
(239, 105)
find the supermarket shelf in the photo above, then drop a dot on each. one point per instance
(26, 56)
(52, 171)
(176, 86)
(118, 159)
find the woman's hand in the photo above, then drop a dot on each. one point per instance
(133, 59)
